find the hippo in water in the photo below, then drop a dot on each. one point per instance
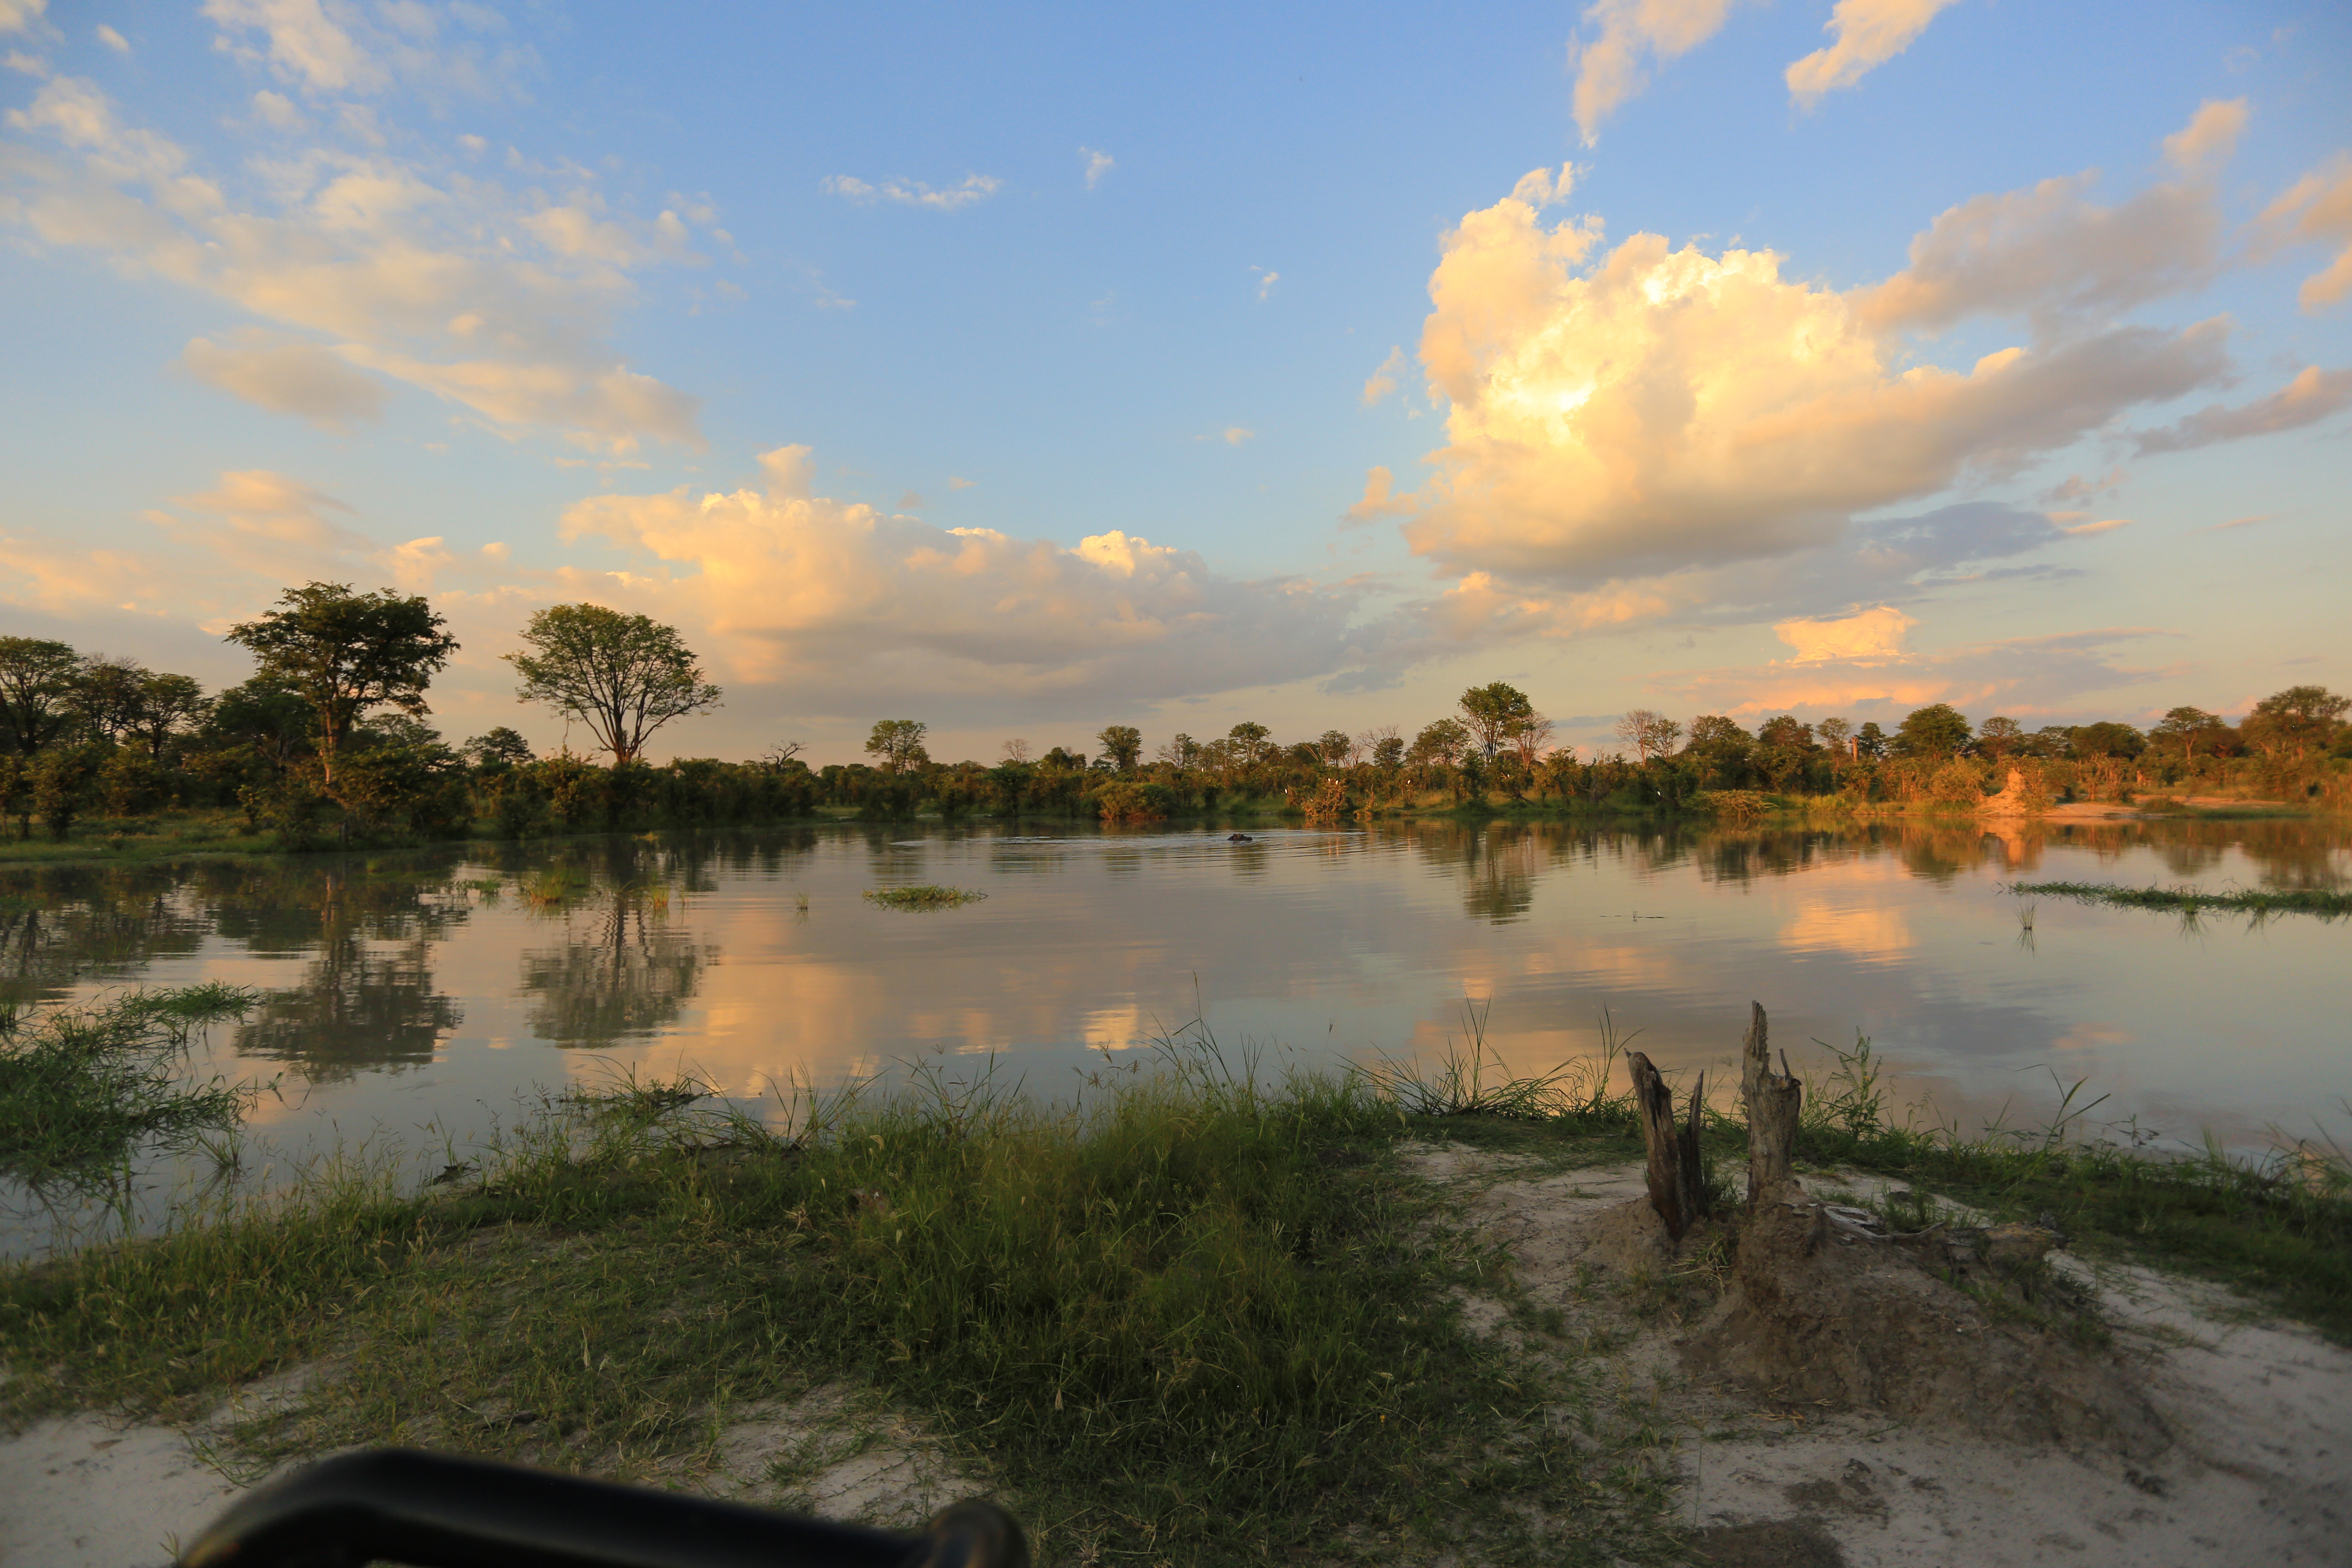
(1239, 839)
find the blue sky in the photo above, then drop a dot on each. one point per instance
(1056, 369)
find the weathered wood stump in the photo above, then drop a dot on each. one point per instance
(1678, 1181)
(1773, 1101)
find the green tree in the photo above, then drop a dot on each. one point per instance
(1869, 741)
(2107, 739)
(1714, 732)
(63, 779)
(502, 747)
(166, 704)
(1183, 752)
(1335, 748)
(898, 742)
(1123, 744)
(37, 690)
(1935, 731)
(1785, 733)
(623, 676)
(2000, 737)
(347, 653)
(1494, 714)
(105, 696)
(265, 715)
(1387, 749)
(16, 792)
(2184, 728)
(1835, 735)
(2299, 720)
(1252, 744)
(1442, 741)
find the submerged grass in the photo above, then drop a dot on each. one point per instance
(80, 1086)
(1197, 1320)
(926, 897)
(2326, 903)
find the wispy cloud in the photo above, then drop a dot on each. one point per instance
(2311, 396)
(112, 39)
(1623, 39)
(494, 300)
(1098, 166)
(913, 193)
(1383, 381)
(1863, 35)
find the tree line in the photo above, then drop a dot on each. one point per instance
(328, 738)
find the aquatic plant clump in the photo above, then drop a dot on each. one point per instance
(927, 897)
(80, 1085)
(2326, 903)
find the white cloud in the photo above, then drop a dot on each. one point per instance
(2311, 396)
(1669, 407)
(287, 376)
(2105, 525)
(842, 601)
(112, 39)
(1624, 37)
(2318, 207)
(21, 16)
(1870, 634)
(277, 110)
(1864, 35)
(1098, 166)
(494, 298)
(1650, 410)
(1234, 435)
(912, 192)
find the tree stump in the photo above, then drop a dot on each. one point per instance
(1677, 1185)
(1773, 1101)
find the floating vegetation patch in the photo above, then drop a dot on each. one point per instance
(926, 897)
(2326, 903)
(78, 1086)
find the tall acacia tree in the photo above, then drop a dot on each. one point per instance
(345, 653)
(623, 676)
(36, 688)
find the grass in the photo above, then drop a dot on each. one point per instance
(926, 897)
(2326, 903)
(1196, 1321)
(80, 1086)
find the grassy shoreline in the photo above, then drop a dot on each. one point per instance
(2328, 904)
(1197, 1319)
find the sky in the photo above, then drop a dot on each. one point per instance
(1026, 372)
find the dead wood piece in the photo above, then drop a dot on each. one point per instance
(1773, 1101)
(1678, 1181)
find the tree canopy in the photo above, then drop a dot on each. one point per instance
(623, 676)
(346, 653)
(898, 742)
(1938, 730)
(1123, 744)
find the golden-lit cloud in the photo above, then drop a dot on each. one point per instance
(2210, 136)
(1645, 409)
(837, 599)
(1863, 35)
(1383, 381)
(2311, 396)
(286, 376)
(1624, 39)
(1380, 499)
(2021, 677)
(1871, 634)
(493, 300)
(2318, 208)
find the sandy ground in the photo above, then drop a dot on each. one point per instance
(2260, 1470)
(80, 1491)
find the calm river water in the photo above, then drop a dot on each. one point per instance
(413, 999)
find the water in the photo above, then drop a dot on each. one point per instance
(417, 1000)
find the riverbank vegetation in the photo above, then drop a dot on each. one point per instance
(326, 747)
(1195, 1317)
(2328, 903)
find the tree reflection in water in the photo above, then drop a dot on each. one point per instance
(367, 997)
(59, 924)
(623, 970)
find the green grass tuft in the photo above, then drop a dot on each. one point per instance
(927, 897)
(2326, 903)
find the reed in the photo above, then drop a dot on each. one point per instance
(927, 897)
(2260, 902)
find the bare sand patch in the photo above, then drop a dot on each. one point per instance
(2259, 1414)
(84, 1491)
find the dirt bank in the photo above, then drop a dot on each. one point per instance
(2259, 1414)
